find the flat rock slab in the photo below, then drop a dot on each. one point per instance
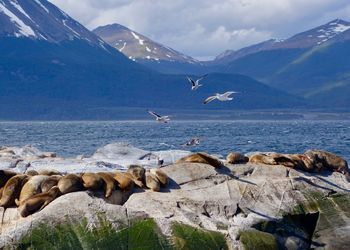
(227, 199)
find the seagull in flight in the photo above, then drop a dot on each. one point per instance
(195, 83)
(221, 97)
(193, 142)
(159, 118)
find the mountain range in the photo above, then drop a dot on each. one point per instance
(52, 67)
(312, 64)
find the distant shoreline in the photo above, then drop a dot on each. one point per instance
(137, 114)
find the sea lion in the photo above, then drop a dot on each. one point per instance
(49, 172)
(152, 182)
(236, 158)
(47, 184)
(138, 172)
(12, 190)
(32, 187)
(109, 183)
(136, 182)
(161, 176)
(38, 202)
(261, 158)
(123, 181)
(31, 172)
(201, 158)
(287, 160)
(326, 160)
(92, 181)
(1, 189)
(5, 175)
(70, 183)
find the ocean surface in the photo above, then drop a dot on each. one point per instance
(217, 137)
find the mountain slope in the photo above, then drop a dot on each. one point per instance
(41, 20)
(138, 47)
(142, 49)
(332, 30)
(313, 64)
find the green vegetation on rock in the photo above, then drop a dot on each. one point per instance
(253, 239)
(187, 237)
(139, 235)
(142, 234)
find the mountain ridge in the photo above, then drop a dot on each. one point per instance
(328, 32)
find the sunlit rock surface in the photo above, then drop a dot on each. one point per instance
(117, 156)
(250, 206)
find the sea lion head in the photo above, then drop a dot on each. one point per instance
(152, 182)
(5, 175)
(160, 175)
(138, 172)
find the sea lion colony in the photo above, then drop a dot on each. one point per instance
(33, 191)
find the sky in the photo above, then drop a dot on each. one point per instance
(205, 28)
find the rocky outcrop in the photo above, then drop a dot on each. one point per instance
(234, 206)
(116, 156)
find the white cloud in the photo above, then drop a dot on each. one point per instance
(205, 28)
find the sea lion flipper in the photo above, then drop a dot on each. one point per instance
(44, 205)
(17, 202)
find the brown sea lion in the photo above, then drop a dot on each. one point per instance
(201, 158)
(12, 190)
(31, 172)
(138, 183)
(92, 181)
(1, 189)
(110, 183)
(38, 202)
(152, 182)
(138, 172)
(31, 188)
(49, 172)
(287, 160)
(327, 160)
(161, 176)
(70, 183)
(261, 158)
(123, 181)
(49, 183)
(236, 158)
(5, 175)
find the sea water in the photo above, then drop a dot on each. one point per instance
(70, 139)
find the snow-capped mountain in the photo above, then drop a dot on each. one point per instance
(336, 30)
(138, 47)
(41, 20)
(316, 36)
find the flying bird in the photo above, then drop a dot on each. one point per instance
(193, 142)
(221, 97)
(159, 118)
(195, 83)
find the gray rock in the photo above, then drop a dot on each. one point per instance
(266, 200)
